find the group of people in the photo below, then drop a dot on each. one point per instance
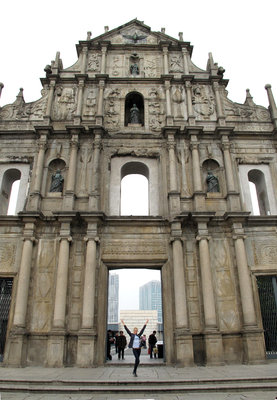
(137, 341)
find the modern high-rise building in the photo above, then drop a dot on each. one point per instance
(150, 297)
(113, 299)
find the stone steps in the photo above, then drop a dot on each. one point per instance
(135, 385)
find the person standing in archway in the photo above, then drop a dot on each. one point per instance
(135, 343)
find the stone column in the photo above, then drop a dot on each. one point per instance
(17, 342)
(184, 345)
(103, 59)
(220, 114)
(191, 116)
(56, 340)
(169, 118)
(245, 284)
(196, 173)
(99, 115)
(69, 196)
(165, 57)
(50, 99)
(272, 105)
(185, 59)
(94, 181)
(213, 339)
(87, 334)
(78, 115)
(84, 60)
(174, 194)
(35, 196)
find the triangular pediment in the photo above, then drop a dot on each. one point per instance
(134, 32)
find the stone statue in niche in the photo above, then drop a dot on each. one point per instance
(203, 104)
(94, 63)
(134, 67)
(57, 182)
(134, 115)
(212, 182)
(176, 64)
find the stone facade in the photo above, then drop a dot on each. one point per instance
(203, 237)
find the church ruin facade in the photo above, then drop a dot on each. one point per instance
(134, 103)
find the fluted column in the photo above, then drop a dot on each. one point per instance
(94, 181)
(71, 175)
(89, 284)
(99, 116)
(245, 284)
(61, 283)
(179, 285)
(23, 282)
(168, 100)
(172, 164)
(228, 167)
(184, 344)
(207, 285)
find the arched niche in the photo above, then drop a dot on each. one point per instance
(210, 169)
(134, 189)
(134, 99)
(9, 174)
(53, 167)
(123, 166)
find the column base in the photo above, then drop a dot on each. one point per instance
(85, 348)
(174, 202)
(214, 349)
(254, 347)
(184, 349)
(34, 202)
(55, 350)
(16, 350)
(68, 202)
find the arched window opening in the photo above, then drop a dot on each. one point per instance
(134, 109)
(9, 192)
(134, 189)
(259, 197)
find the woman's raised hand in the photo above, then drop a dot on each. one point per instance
(146, 321)
(122, 322)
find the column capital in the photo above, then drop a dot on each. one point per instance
(68, 238)
(96, 239)
(30, 238)
(202, 237)
(236, 237)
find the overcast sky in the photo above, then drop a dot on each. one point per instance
(240, 34)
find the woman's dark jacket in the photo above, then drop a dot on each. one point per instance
(132, 335)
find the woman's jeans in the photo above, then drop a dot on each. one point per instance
(136, 353)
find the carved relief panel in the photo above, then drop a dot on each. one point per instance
(176, 63)
(112, 109)
(94, 63)
(156, 109)
(178, 101)
(203, 102)
(65, 102)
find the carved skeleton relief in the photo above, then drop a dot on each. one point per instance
(203, 102)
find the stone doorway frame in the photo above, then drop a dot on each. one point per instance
(167, 306)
